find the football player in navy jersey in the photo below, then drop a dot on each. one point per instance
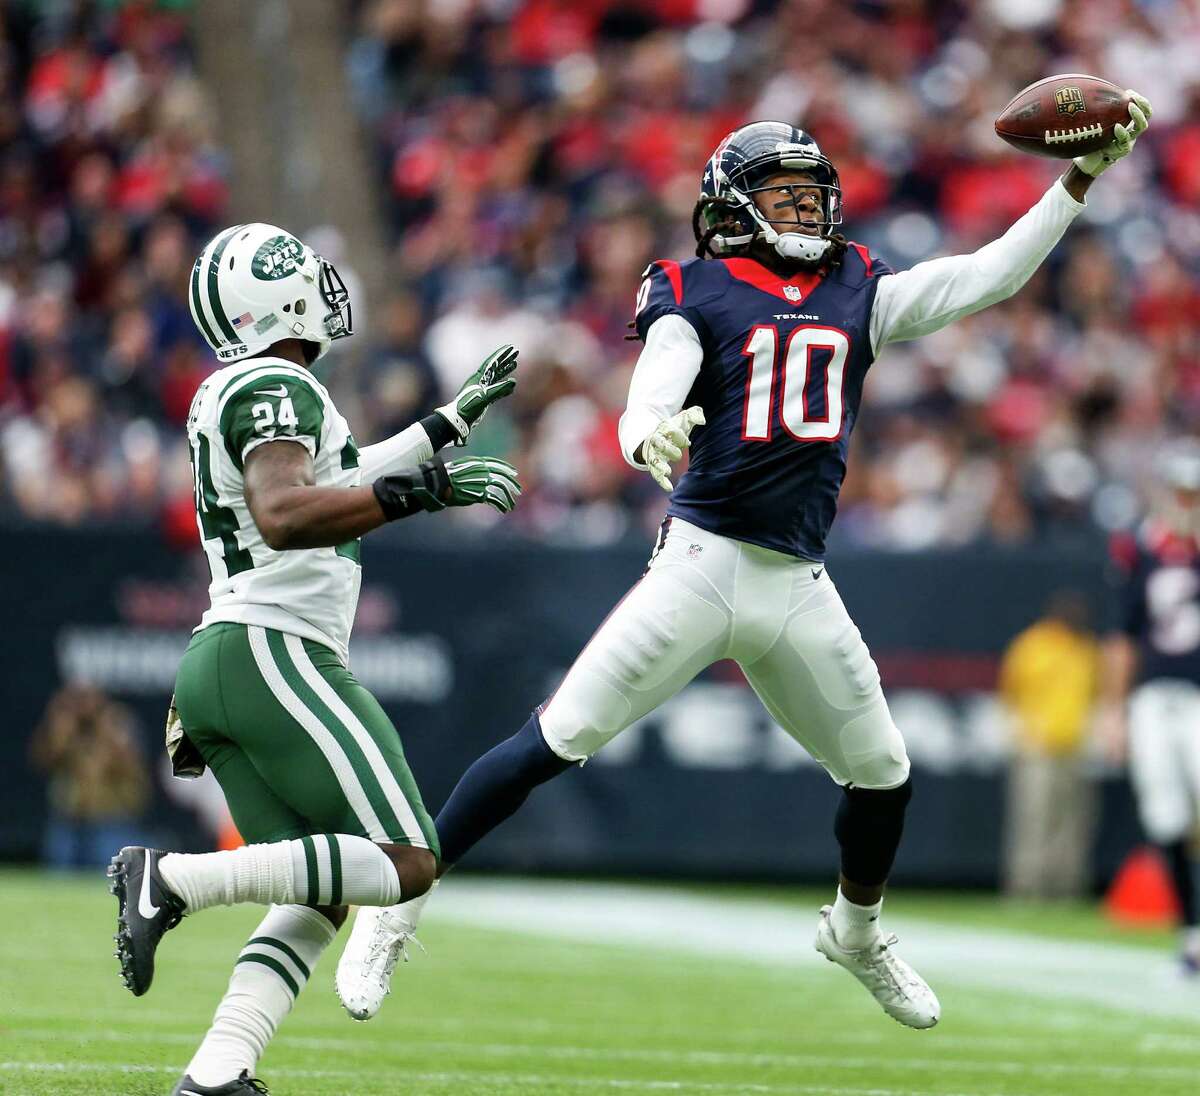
(755, 354)
(1152, 672)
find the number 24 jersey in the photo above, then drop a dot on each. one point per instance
(310, 592)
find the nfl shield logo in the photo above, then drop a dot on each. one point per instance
(792, 292)
(1069, 100)
(694, 551)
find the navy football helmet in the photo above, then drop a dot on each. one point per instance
(726, 219)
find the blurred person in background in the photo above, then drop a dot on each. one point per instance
(1048, 684)
(1151, 676)
(98, 783)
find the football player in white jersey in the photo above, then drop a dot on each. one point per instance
(768, 333)
(311, 767)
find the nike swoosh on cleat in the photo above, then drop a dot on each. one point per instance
(280, 392)
(145, 907)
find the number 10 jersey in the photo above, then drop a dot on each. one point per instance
(781, 382)
(310, 592)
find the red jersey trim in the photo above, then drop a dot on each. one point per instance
(754, 273)
(865, 255)
(674, 275)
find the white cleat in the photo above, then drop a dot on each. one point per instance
(900, 990)
(364, 973)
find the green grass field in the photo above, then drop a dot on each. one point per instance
(623, 990)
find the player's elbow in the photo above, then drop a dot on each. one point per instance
(277, 523)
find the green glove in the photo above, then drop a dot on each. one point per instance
(483, 479)
(434, 485)
(492, 381)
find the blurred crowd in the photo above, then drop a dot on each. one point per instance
(108, 182)
(533, 156)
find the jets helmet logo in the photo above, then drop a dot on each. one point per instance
(1069, 100)
(277, 258)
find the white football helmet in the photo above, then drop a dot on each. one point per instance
(255, 284)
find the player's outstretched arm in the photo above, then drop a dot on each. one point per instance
(291, 512)
(935, 293)
(450, 423)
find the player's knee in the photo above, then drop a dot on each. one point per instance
(416, 869)
(568, 734)
(882, 772)
(874, 752)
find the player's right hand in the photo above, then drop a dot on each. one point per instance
(1094, 163)
(666, 444)
(436, 484)
(483, 479)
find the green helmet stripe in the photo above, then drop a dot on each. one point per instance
(214, 293)
(198, 308)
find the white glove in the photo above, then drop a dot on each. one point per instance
(666, 444)
(1093, 163)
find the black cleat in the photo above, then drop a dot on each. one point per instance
(244, 1085)
(147, 909)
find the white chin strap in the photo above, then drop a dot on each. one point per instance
(799, 247)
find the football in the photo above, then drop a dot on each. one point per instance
(1063, 116)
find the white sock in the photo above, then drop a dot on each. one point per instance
(269, 974)
(854, 926)
(324, 870)
(409, 912)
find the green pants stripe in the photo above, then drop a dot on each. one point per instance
(330, 739)
(386, 803)
(298, 746)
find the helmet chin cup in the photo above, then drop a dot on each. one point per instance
(798, 247)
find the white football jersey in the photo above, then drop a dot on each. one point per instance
(308, 592)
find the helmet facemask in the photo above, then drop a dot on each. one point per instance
(784, 234)
(339, 321)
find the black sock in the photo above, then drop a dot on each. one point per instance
(868, 826)
(494, 787)
(1179, 860)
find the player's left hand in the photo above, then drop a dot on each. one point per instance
(492, 381)
(1093, 163)
(666, 444)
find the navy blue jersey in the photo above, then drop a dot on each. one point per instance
(784, 363)
(1159, 603)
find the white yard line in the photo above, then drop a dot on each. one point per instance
(1112, 976)
(662, 1057)
(527, 1080)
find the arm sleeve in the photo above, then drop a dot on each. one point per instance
(934, 294)
(401, 452)
(278, 407)
(665, 372)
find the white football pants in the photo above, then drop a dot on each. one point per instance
(705, 598)
(1164, 757)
